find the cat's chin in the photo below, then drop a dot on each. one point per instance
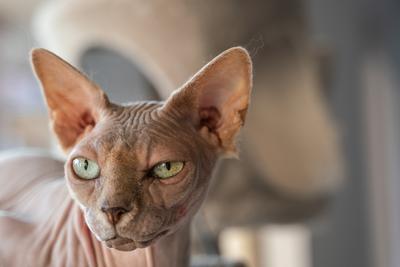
(122, 244)
(126, 244)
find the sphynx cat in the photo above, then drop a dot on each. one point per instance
(135, 174)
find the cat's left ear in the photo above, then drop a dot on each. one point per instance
(74, 102)
(216, 98)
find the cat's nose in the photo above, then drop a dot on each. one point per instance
(114, 214)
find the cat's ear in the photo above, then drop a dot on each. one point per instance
(73, 101)
(217, 97)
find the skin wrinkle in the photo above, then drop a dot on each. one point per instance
(126, 141)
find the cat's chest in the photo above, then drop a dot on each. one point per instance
(53, 234)
(64, 240)
(67, 241)
(61, 238)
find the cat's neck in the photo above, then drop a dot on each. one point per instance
(172, 250)
(169, 251)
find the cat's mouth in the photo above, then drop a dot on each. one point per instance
(148, 242)
(127, 244)
(121, 243)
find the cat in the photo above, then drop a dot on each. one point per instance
(291, 154)
(135, 174)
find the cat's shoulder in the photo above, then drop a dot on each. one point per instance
(29, 155)
(20, 167)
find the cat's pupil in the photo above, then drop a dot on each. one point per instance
(86, 164)
(168, 165)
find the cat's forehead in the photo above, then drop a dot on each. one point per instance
(133, 116)
(143, 119)
(140, 131)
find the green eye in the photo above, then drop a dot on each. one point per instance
(167, 169)
(85, 168)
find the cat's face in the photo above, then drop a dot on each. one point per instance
(127, 144)
(140, 171)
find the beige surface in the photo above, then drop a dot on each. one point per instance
(291, 145)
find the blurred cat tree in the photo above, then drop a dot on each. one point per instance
(360, 226)
(290, 159)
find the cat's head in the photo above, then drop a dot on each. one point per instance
(141, 170)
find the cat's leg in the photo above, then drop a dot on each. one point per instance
(22, 174)
(14, 234)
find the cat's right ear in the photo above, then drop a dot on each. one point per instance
(74, 102)
(216, 99)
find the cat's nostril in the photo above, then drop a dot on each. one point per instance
(114, 214)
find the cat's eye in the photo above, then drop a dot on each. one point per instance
(85, 168)
(167, 169)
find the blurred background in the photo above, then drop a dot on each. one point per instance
(318, 181)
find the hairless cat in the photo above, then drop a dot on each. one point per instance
(135, 174)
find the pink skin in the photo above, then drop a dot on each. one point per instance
(126, 216)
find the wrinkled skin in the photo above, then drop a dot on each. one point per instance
(44, 224)
(126, 156)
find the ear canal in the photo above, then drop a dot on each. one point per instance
(217, 97)
(73, 101)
